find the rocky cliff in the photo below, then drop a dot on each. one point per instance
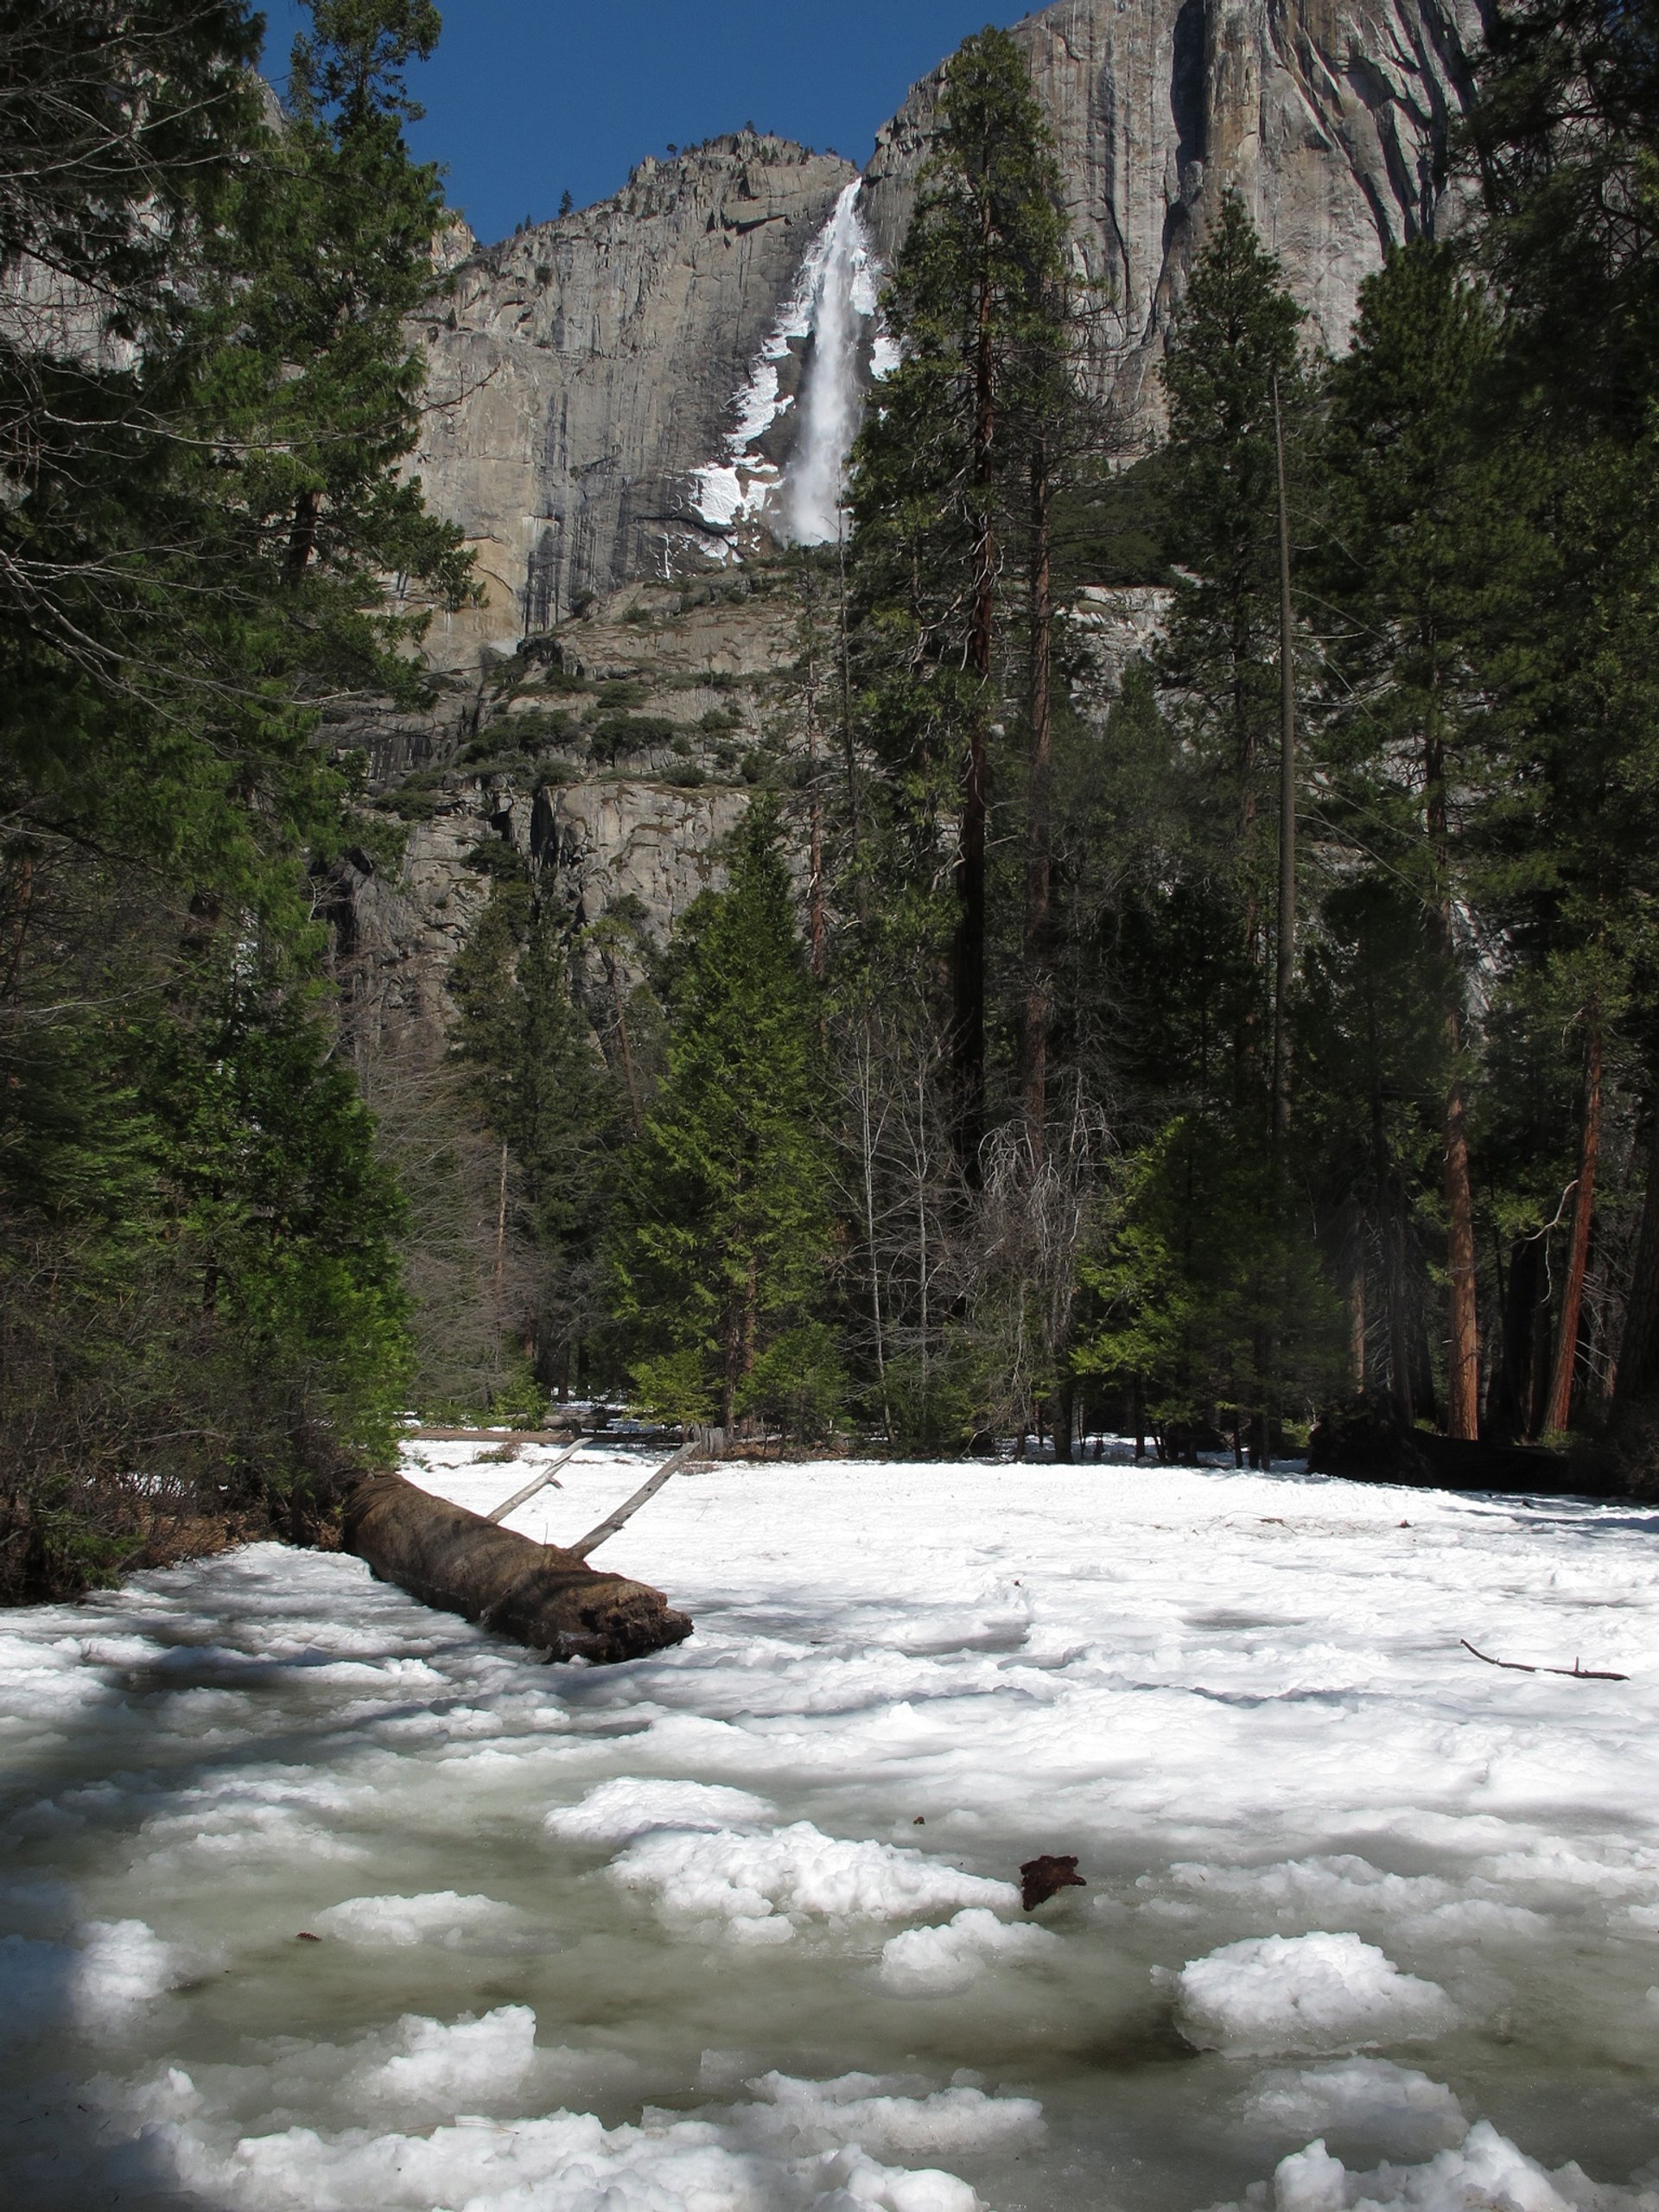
(610, 388)
(581, 373)
(584, 372)
(1330, 117)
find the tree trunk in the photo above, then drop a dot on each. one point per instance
(1033, 1072)
(501, 1231)
(1463, 1351)
(1638, 1353)
(1559, 1407)
(1463, 1344)
(1357, 1317)
(968, 1040)
(1286, 964)
(1509, 1398)
(302, 532)
(535, 1593)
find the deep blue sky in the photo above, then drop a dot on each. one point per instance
(527, 98)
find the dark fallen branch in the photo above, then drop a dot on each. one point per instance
(538, 1594)
(1574, 1673)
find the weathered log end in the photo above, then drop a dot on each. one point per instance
(535, 1593)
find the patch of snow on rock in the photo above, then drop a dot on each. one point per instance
(1289, 1994)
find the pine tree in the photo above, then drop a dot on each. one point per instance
(540, 1086)
(228, 388)
(978, 306)
(1233, 355)
(1413, 533)
(723, 1233)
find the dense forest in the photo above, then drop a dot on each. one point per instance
(1286, 1047)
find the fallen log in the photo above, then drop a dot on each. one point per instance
(535, 1594)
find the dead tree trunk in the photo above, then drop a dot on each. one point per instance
(535, 1593)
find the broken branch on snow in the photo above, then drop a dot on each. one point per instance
(1574, 1673)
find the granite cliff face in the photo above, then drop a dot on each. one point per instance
(581, 373)
(585, 372)
(610, 387)
(1330, 117)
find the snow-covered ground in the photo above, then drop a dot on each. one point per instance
(736, 1930)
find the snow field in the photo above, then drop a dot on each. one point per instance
(1366, 1922)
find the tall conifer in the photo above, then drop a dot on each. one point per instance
(723, 1236)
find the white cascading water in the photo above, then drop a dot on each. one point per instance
(845, 297)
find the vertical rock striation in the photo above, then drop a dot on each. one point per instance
(1330, 117)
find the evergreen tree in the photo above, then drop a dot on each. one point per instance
(206, 396)
(977, 305)
(723, 1234)
(1235, 378)
(541, 1087)
(1233, 355)
(1414, 529)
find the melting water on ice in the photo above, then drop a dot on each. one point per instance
(734, 1925)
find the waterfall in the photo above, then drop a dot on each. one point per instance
(843, 274)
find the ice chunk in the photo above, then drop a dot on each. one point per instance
(1487, 2170)
(620, 1810)
(937, 1961)
(1310, 2181)
(112, 1971)
(451, 2067)
(1424, 1906)
(812, 2147)
(438, 1916)
(1395, 2106)
(1272, 1993)
(761, 1887)
(875, 2113)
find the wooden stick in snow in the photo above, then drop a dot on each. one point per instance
(550, 1474)
(1574, 1673)
(630, 1506)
